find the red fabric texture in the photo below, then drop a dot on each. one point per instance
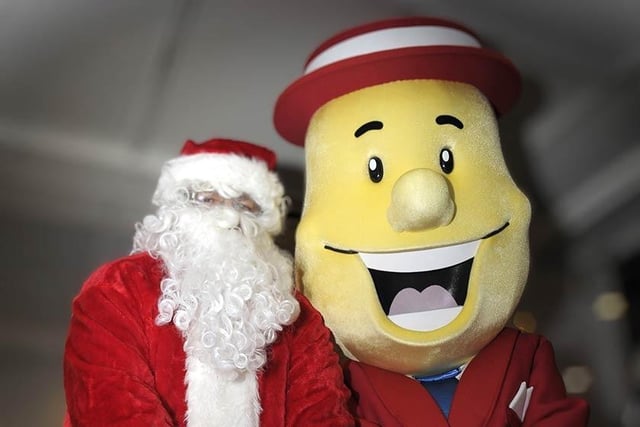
(484, 392)
(231, 146)
(120, 369)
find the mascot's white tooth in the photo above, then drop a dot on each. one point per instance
(426, 320)
(420, 260)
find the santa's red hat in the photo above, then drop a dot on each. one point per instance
(228, 166)
(390, 50)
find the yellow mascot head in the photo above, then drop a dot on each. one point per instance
(413, 241)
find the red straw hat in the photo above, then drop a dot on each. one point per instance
(390, 50)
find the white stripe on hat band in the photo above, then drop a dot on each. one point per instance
(392, 38)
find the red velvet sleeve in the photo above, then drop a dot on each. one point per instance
(316, 394)
(549, 405)
(108, 380)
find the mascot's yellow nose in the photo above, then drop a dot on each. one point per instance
(420, 200)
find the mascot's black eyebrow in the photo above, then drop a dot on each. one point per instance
(372, 125)
(446, 119)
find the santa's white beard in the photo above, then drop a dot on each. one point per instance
(229, 290)
(228, 287)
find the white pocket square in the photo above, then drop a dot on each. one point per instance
(520, 401)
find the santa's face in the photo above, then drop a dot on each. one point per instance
(413, 238)
(228, 287)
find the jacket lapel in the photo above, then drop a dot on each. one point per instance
(480, 385)
(404, 398)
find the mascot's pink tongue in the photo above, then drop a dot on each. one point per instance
(409, 300)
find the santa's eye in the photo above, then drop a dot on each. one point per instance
(376, 170)
(206, 197)
(446, 160)
(242, 203)
(247, 204)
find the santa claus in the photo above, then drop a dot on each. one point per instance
(200, 325)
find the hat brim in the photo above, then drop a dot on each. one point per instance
(491, 73)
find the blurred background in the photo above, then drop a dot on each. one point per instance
(95, 96)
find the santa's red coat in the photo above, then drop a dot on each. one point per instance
(120, 368)
(482, 397)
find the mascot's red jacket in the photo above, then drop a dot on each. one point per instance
(482, 397)
(122, 369)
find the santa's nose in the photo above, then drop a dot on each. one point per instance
(420, 200)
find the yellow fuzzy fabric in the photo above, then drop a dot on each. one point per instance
(416, 205)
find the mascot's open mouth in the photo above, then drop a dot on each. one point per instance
(425, 289)
(422, 290)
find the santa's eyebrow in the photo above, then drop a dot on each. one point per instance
(445, 119)
(372, 125)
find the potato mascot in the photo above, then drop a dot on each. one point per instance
(413, 240)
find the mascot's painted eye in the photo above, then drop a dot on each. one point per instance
(446, 160)
(376, 171)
